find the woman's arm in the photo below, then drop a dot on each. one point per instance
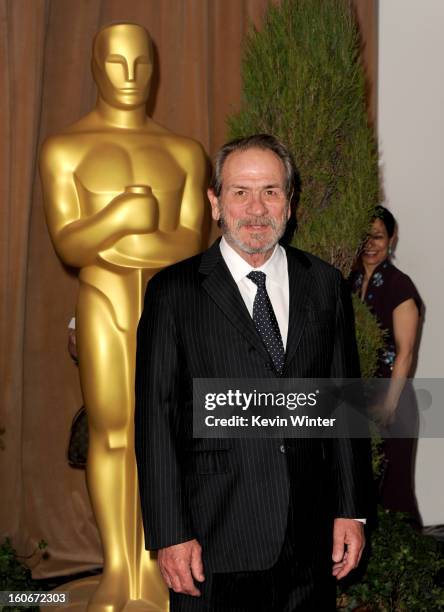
(405, 328)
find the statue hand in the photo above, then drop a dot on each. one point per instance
(137, 212)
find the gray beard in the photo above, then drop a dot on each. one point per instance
(279, 231)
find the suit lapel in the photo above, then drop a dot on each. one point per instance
(221, 287)
(300, 280)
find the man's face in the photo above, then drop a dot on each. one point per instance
(252, 208)
(122, 65)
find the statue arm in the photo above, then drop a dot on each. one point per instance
(193, 209)
(78, 239)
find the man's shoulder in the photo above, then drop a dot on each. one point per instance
(179, 275)
(189, 270)
(316, 265)
(185, 267)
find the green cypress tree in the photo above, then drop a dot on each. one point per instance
(303, 82)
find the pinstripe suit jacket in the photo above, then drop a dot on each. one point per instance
(233, 495)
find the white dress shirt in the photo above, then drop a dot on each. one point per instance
(276, 282)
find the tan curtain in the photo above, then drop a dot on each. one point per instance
(367, 17)
(45, 85)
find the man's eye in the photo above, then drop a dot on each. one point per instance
(273, 194)
(240, 193)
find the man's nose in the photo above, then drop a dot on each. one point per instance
(256, 206)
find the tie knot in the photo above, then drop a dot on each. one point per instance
(258, 278)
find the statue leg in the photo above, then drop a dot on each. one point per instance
(106, 361)
(151, 586)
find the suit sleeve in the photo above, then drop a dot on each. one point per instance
(165, 516)
(351, 456)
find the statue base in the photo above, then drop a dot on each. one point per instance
(80, 592)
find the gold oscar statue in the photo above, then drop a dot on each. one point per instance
(123, 198)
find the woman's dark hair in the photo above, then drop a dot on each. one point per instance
(386, 217)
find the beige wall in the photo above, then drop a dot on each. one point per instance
(411, 134)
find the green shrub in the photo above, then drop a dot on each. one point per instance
(15, 575)
(303, 82)
(402, 571)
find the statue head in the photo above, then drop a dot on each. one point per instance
(122, 64)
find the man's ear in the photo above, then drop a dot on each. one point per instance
(214, 201)
(290, 199)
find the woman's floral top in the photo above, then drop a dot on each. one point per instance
(387, 288)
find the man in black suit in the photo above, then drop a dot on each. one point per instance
(246, 524)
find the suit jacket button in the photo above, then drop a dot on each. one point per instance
(282, 448)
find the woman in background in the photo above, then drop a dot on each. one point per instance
(394, 300)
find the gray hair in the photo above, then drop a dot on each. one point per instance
(256, 141)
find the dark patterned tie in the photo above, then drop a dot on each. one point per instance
(266, 322)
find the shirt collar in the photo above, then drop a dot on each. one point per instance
(275, 267)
